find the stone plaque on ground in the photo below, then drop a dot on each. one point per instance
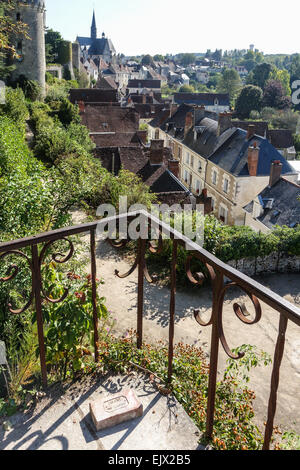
(3, 361)
(116, 409)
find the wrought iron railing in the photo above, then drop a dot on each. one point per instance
(219, 274)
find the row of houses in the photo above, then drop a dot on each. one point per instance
(234, 166)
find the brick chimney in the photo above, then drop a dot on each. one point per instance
(157, 152)
(253, 157)
(143, 136)
(275, 173)
(251, 131)
(174, 167)
(189, 122)
(224, 122)
(144, 99)
(206, 201)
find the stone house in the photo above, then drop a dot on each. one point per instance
(232, 164)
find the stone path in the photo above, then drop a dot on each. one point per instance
(61, 421)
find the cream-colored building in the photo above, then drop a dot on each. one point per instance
(232, 164)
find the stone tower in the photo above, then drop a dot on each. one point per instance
(32, 57)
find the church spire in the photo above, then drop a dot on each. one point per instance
(94, 27)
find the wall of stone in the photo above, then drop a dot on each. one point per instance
(274, 263)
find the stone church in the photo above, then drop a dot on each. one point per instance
(96, 48)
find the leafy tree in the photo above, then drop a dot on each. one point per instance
(15, 107)
(230, 83)
(284, 78)
(249, 99)
(186, 89)
(53, 41)
(260, 75)
(274, 95)
(147, 60)
(10, 29)
(187, 59)
(158, 58)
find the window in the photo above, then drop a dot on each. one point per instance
(213, 204)
(18, 16)
(214, 177)
(187, 158)
(223, 214)
(192, 161)
(226, 185)
(198, 186)
(186, 177)
(179, 153)
(200, 167)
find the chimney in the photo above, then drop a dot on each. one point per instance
(189, 122)
(251, 131)
(174, 167)
(275, 173)
(224, 122)
(199, 113)
(143, 136)
(157, 152)
(253, 156)
(206, 201)
(144, 99)
(173, 109)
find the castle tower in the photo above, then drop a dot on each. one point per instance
(94, 27)
(32, 56)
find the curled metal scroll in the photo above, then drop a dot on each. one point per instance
(153, 249)
(241, 313)
(12, 272)
(219, 292)
(60, 259)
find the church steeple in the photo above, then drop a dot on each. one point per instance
(94, 27)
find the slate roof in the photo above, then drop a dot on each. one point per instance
(232, 155)
(205, 99)
(106, 83)
(283, 203)
(93, 95)
(136, 160)
(99, 45)
(144, 84)
(260, 127)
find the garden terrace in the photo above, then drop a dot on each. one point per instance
(222, 278)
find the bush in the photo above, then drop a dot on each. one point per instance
(15, 107)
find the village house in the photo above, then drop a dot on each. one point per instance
(215, 102)
(277, 205)
(234, 165)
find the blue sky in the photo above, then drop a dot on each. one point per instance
(173, 26)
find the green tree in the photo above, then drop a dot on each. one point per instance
(260, 75)
(187, 59)
(284, 78)
(249, 99)
(53, 41)
(230, 83)
(147, 60)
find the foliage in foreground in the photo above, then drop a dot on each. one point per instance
(234, 428)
